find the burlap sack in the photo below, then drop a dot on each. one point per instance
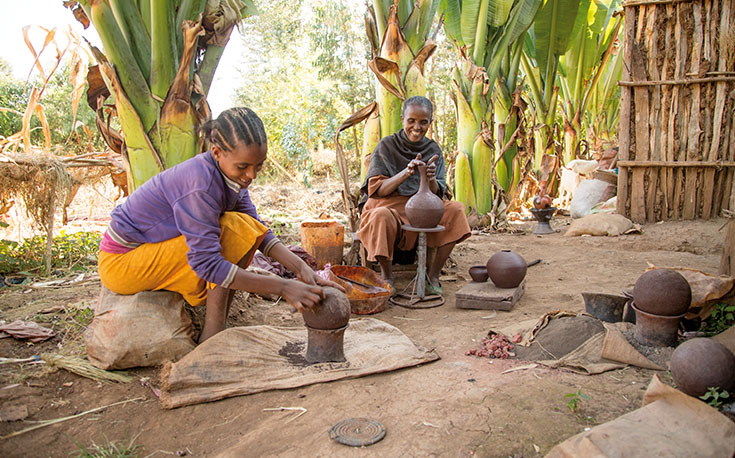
(250, 359)
(600, 224)
(144, 329)
(669, 424)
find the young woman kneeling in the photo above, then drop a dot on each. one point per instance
(193, 229)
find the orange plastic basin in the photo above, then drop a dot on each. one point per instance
(364, 300)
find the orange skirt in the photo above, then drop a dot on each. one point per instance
(163, 265)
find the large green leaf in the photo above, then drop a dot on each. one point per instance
(417, 26)
(498, 11)
(553, 29)
(519, 20)
(469, 21)
(451, 11)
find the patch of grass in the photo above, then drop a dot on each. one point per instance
(575, 399)
(110, 449)
(714, 396)
(73, 252)
(721, 319)
(279, 227)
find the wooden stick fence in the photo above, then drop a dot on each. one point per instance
(677, 128)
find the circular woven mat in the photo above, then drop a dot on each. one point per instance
(357, 432)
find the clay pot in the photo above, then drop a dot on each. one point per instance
(325, 345)
(506, 269)
(541, 201)
(424, 209)
(629, 314)
(605, 307)
(656, 330)
(478, 274)
(700, 363)
(543, 216)
(662, 292)
(326, 326)
(332, 313)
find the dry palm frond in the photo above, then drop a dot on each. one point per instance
(223, 15)
(41, 181)
(84, 368)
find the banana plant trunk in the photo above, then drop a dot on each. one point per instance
(556, 23)
(149, 66)
(488, 35)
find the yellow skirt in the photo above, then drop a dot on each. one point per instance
(163, 265)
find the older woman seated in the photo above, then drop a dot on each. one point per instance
(392, 179)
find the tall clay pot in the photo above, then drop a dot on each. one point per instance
(425, 209)
(506, 269)
(326, 326)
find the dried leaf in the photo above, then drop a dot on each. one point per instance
(44, 124)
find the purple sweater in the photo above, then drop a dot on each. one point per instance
(187, 200)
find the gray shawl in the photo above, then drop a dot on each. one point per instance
(393, 154)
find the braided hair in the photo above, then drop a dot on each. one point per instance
(420, 101)
(234, 126)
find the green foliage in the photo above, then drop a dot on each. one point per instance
(722, 318)
(575, 399)
(110, 449)
(279, 228)
(70, 251)
(714, 396)
(13, 96)
(305, 72)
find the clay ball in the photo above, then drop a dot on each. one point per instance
(332, 313)
(662, 292)
(700, 363)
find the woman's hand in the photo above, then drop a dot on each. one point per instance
(431, 168)
(300, 295)
(307, 275)
(411, 167)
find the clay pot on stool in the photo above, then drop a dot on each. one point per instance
(424, 209)
(326, 326)
(506, 269)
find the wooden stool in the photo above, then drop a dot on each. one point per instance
(418, 299)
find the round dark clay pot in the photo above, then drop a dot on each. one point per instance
(700, 363)
(424, 209)
(332, 313)
(478, 274)
(662, 292)
(506, 269)
(541, 201)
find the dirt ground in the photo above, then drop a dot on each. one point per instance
(457, 406)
